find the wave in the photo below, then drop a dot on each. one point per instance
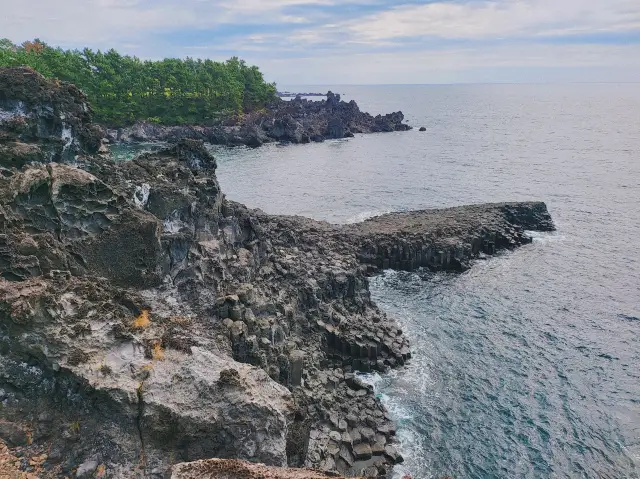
(365, 215)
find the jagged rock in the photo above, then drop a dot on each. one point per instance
(362, 452)
(377, 449)
(391, 453)
(41, 120)
(346, 455)
(296, 121)
(335, 128)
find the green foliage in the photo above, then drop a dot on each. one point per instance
(124, 89)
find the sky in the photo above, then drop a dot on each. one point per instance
(320, 42)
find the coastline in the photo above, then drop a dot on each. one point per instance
(295, 121)
(256, 323)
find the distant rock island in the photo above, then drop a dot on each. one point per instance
(296, 121)
(287, 94)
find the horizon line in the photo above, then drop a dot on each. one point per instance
(471, 83)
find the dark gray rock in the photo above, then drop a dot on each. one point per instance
(362, 452)
(42, 121)
(86, 469)
(296, 121)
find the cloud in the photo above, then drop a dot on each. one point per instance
(362, 41)
(530, 62)
(499, 19)
(81, 22)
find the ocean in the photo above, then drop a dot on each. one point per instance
(528, 365)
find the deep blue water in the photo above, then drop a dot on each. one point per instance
(529, 364)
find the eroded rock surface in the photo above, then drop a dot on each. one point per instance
(145, 320)
(295, 121)
(42, 120)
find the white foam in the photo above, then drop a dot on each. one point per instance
(544, 237)
(365, 215)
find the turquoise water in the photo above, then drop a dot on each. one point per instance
(529, 364)
(126, 152)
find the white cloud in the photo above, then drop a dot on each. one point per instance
(531, 62)
(499, 19)
(82, 22)
(369, 49)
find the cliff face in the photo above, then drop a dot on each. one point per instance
(42, 120)
(145, 320)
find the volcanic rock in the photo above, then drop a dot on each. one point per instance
(152, 321)
(295, 121)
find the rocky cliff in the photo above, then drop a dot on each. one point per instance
(42, 120)
(295, 121)
(146, 320)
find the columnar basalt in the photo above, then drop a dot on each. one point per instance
(146, 320)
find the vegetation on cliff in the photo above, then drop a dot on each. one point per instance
(123, 89)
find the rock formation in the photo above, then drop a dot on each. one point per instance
(41, 120)
(146, 320)
(295, 121)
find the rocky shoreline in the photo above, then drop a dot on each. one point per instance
(146, 320)
(295, 121)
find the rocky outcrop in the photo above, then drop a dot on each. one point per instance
(145, 320)
(295, 121)
(43, 120)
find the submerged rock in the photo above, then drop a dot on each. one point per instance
(155, 322)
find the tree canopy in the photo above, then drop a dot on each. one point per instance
(123, 89)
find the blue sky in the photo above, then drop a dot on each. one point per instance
(357, 41)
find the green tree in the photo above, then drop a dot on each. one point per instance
(124, 89)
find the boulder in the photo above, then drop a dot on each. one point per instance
(362, 452)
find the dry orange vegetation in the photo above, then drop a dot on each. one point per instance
(142, 321)
(10, 465)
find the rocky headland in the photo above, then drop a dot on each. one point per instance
(295, 121)
(146, 320)
(288, 94)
